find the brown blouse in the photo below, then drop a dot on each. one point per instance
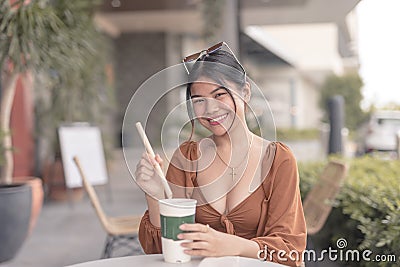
(272, 215)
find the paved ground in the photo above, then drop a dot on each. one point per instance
(70, 232)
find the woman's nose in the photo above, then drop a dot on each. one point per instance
(211, 105)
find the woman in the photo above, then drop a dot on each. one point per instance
(246, 187)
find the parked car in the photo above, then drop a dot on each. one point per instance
(380, 132)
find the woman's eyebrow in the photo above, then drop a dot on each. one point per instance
(218, 88)
(212, 92)
(194, 96)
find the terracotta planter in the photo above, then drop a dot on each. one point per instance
(37, 197)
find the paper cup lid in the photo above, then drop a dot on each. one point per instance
(177, 206)
(179, 202)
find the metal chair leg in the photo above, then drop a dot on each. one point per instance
(108, 247)
(115, 242)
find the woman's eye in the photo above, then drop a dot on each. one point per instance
(197, 100)
(219, 95)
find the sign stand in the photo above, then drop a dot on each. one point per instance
(85, 142)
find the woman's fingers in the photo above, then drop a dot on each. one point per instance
(143, 171)
(144, 167)
(143, 164)
(196, 245)
(146, 163)
(146, 176)
(159, 160)
(194, 227)
(198, 252)
(195, 231)
(204, 240)
(146, 159)
(195, 236)
(199, 246)
(149, 161)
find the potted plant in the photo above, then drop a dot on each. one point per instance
(47, 39)
(81, 92)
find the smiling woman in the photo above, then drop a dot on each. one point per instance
(246, 187)
(214, 107)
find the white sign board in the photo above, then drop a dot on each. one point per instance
(83, 141)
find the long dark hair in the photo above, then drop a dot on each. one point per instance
(219, 66)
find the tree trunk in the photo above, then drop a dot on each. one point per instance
(7, 99)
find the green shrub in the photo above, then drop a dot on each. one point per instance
(309, 173)
(368, 211)
(292, 134)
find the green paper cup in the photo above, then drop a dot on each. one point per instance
(173, 213)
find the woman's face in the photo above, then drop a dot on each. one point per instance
(214, 107)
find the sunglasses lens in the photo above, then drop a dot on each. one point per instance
(191, 57)
(210, 50)
(214, 48)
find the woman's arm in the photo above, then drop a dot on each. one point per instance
(283, 238)
(212, 243)
(149, 229)
(154, 210)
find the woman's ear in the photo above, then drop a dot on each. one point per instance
(246, 93)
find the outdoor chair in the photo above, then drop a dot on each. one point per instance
(121, 231)
(317, 204)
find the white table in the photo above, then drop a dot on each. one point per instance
(156, 260)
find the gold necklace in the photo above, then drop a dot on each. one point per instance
(233, 173)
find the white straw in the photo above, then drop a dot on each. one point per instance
(157, 166)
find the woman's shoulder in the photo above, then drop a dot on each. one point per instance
(280, 154)
(283, 147)
(278, 150)
(283, 152)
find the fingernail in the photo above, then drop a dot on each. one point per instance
(180, 236)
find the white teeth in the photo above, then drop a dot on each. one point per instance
(218, 118)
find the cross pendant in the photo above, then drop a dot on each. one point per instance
(233, 173)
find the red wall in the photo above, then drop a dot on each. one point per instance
(22, 128)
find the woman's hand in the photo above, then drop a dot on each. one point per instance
(147, 178)
(212, 243)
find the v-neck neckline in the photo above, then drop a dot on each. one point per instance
(241, 203)
(195, 183)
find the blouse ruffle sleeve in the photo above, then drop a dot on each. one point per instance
(283, 238)
(149, 235)
(180, 182)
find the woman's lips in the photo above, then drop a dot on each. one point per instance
(217, 120)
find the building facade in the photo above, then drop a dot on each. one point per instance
(288, 48)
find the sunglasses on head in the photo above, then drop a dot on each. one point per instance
(194, 57)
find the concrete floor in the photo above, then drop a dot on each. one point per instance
(69, 232)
